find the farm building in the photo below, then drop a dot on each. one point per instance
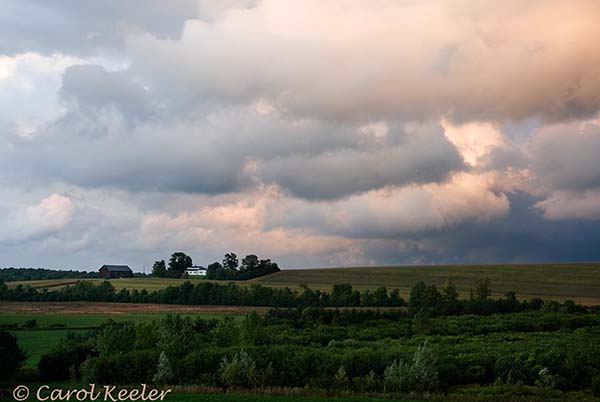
(196, 270)
(115, 271)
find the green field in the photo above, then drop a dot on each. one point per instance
(577, 281)
(52, 328)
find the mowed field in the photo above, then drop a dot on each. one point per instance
(576, 281)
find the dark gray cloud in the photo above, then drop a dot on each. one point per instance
(345, 172)
(565, 156)
(92, 89)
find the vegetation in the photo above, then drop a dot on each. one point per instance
(252, 267)
(32, 274)
(341, 351)
(50, 329)
(437, 346)
(230, 269)
(12, 355)
(576, 281)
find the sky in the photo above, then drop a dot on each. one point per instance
(316, 133)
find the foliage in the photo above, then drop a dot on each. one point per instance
(238, 371)
(32, 274)
(12, 355)
(164, 373)
(177, 264)
(159, 269)
(252, 267)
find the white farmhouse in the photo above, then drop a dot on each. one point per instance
(196, 270)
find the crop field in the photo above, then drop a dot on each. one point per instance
(577, 281)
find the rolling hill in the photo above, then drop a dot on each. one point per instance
(576, 281)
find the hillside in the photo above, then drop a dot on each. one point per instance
(576, 281)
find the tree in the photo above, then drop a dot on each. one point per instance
(164, 372)
(397, 377)
(215, 271)
(424, 372)
(482, 289)
(341, 378)
(249, 263)
(12, 355)
(423, 296)
(159, 269)
(230, 261)
(239, 371)
(178, 263)
(449, 291)
(418, 295)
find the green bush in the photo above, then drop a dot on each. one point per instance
(12, 355)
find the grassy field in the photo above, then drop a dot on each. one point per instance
(51, 328)
(577, 281)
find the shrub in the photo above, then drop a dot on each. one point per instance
(164, 373)
(424, 372)
(420, 375)
(396, 377)
(341, 378)
(30, 324)
(367, 383)
(135, 367)
(12, 355)
(64, 363)
(237, 371)
(596, 386)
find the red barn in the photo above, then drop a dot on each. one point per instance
(115, 271)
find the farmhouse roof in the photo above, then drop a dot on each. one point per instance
(117, 268)
(196, 268)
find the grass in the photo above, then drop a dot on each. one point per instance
(580, 281)
(266, 398)
(576, 281)
(79, 321)
(47, 334)
(229, 397)
(36, 343)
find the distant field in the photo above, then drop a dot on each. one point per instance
(580, 282)
(577, 281)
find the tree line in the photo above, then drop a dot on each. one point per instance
(32, 274)
(426, 299)
(230, 269)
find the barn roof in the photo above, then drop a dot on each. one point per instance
(117, 268)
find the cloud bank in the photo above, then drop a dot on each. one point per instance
(317, 133)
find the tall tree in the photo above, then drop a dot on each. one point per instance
(250, 263)
(482, 289)
(178, 263)
(230, 261)
(159, 269)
